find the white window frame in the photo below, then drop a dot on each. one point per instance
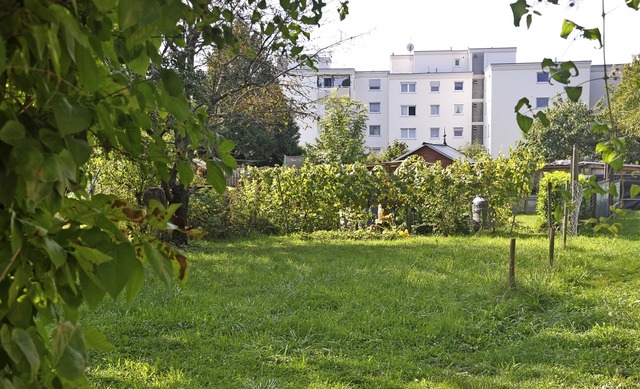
(374, 126)
(458, 132)
(455, 86)
(431, 130)
(434, 86)
(372, 104)
(457, 62)
(405, 133)
(434, 110)
(405, 110)
(373, 82)
(458, 109)
(407, 87)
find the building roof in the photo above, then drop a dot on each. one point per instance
(440, 148)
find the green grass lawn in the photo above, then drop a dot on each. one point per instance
(426, 312)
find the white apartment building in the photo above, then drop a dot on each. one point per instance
(452, 96)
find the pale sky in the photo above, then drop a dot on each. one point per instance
(388, 26)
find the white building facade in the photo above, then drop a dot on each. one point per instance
(452, 96)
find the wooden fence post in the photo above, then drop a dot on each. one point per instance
(512, 263)
(552, 230)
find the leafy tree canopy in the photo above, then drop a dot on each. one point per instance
(73, 78)
(341, 138)
(570, 123)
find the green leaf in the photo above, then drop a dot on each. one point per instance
(229, 161)
(56, 253)
(524, 122)
(216, 178)
(593, 34)
(519, 9)
(11, 132)
(114, 274)
(105, 6)
(140, 64)
(567, 27)
(92, 292)
(172, 82)
(68, 351)
(226, 146)
(522, 102)
(135, 283)
(633, 4)
(573, 92)
(129, 13)
(598, 127)
(185, 173)
(78, 149)
(59, 167)
(542, 116)
(70, 118)
(635, 190)
(88, 73)
(90, 254)
(159, 263)
(96, 340)
(22, 338)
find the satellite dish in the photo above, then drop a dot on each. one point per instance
(410, 47)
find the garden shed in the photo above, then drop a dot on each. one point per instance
(433, 152)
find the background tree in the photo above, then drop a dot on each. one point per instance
(395, 149)
(256, 114)
(570, 123)
(474, 150)
(73, 78)
(625, 105)
(341, 138)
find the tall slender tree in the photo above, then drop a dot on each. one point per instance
(342, 127)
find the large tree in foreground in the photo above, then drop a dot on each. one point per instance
(341, 138)
(73, 78)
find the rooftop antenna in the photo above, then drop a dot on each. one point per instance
(444, 137)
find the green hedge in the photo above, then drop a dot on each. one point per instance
(416, 197)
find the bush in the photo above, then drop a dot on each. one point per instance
(418, 197)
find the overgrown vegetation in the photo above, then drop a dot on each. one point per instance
(415, 197)
(428, 312)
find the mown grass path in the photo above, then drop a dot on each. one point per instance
(281, 312)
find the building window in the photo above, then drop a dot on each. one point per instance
(435, 86)
(407, 133)
(407, 87)
(435, 110)
(458, 109)
(542, 77)
(458, 85)
(334, 82)
(434, 132)
(374, 130)
(375, 150)
(542, 102)
(374, 107)
(374, 84)
(407, 110)
(456, 62)
(457, 132)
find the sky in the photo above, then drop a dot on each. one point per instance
(374, 29)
